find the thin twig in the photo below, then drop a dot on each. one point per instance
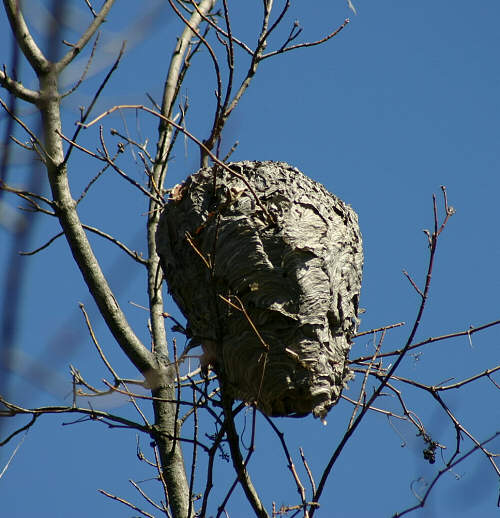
(13, 454)
(308, 471)
(34, 138)
(211, 52)
(307, 44)
(100, 415)
(221, 31)
(147, 498)
(193, 138)
(390, 374)
(85, 37)
(85, 70)
(291, 465)
(107, 158)
(25, 195)
(243, 476)
(45, 245)
(34, 417)
(125, 502)
(441, 472)
(413, 283)
(373, 408)
(89, 5)
(86, 114)
(467, 332)
(362, 392)
(209, 478)
(383, 328)
(195, 452)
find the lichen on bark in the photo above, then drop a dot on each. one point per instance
(270, 289)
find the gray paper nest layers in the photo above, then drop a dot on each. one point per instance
(274, 305)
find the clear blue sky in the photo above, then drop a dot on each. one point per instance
(402, 101)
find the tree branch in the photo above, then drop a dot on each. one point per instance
(444, 470)
(194, 139)
(432, 253)
(238, 463)
(397, 352)
(65, 207)
(84, 39)
(17, 89)
(23, 36)
(307, 44)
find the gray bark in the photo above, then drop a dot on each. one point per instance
(166, 419)
(274, 305)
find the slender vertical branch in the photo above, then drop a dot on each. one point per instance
(238, 462)
(173, 468)
(230, 106)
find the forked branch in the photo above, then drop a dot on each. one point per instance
(433, 241)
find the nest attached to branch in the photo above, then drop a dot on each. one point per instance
(267, 272)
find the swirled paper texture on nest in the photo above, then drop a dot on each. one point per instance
(266, 266)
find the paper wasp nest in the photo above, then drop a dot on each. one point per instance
(269, 288)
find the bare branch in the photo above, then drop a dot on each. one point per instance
(193, 29)
(34, 138)
(109, 160)
(231, 151)
(291, 465)
(78, 240)
(13, 454)
(96, 343)
(195, 451)
(444, 470)
(125, 502)
(172, 84)
(243, 476)
(34, 417)
(85, 70)
(133, 254)
(91, 8)
(384, 328)
(413, 283)
(44, 246)
(468, 332)
(362, 393)
(85, 38)
(220, 120)
(278, 19)
(307, 44)
(219, 30)
(160, 474)
(141, 147)
(23, 36)
(308, 470)
(17, 89)
(209, 478)
(373, 408)
(163, 509)
(30, 197)
(390, 374)
(85, 115)
(459, 384)
(99, 415)
(193, 138)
